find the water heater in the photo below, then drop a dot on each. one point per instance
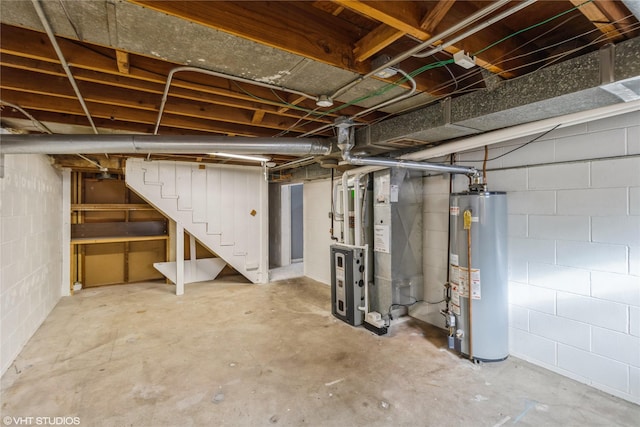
(478, 311)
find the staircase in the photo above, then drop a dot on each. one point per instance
(224, 207)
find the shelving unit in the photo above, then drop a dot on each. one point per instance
(114, 237)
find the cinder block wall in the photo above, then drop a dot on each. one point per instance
(574, 249)
(30, 243)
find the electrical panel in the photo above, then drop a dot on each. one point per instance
(347, 283)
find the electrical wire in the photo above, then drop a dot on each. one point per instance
(446, 62)
(454, 81)
(387, 87)
(515, 149)
(556, 58)
(73, 25)
(502, 59)
(532, 27)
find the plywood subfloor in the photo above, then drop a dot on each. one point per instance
(233, 354)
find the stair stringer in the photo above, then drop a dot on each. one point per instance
(228, 207)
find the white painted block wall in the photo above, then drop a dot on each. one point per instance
(316, 224)
(30, 249)
(574, 249)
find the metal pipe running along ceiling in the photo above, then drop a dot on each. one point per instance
(160, 144)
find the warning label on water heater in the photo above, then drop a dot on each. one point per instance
(454, 210)
(459, 279)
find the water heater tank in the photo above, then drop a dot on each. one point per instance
(479, 221)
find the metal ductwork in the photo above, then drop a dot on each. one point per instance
(345, 143)
(160, 144)
(605, 78)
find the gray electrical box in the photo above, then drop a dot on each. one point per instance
(347, 283)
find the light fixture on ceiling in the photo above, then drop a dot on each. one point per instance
(324, 101)
(242, 157)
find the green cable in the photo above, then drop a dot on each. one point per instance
(412, 74)
(532, 26)
(431, 66)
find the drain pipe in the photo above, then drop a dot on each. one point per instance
(132, 144)
(63, 61)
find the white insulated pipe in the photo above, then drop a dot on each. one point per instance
(131, 144)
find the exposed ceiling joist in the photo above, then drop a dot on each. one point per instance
(595, 14)
(375, 41)
(303, 32)
(432, 19)
(121, 56)
(122, 59)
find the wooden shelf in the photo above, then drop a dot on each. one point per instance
(111, 207)
(115, 239)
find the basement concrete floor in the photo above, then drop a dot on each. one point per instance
(233, 354)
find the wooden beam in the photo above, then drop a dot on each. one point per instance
(432, 19)
(594, 14)
(401, 15)
(258, 115)
(282, 25)
(620, 17)
(121, 239)
(215, 96)
(56, 104)
(91, 65)
(375, 41)
(100, 207)
(122, 59)
(295, 101)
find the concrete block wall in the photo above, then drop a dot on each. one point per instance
(574, 249)
(30, 249)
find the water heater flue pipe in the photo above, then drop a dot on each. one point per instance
(383, 162)
(160, 144)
